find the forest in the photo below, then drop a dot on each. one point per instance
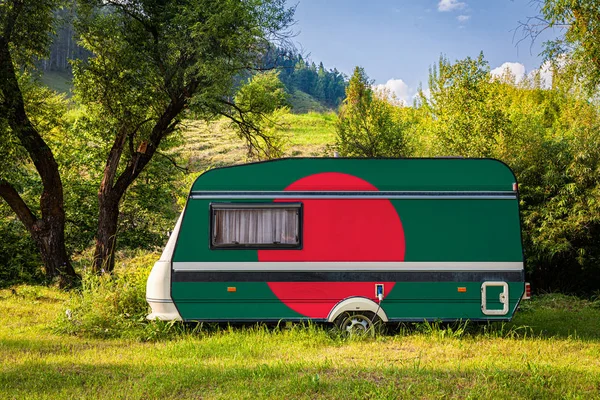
(296, 71)
(105, 171)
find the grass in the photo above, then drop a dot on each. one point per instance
(577, 318)
(302, 103)
(547, 360)
(62, 82)
(215, 144)
(310, 135)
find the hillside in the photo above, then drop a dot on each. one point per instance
(61, 82)
(215, 144)
(299, 101)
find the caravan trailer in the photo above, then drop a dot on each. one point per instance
(345, 240)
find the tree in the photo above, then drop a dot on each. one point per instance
(550, 139)
(24, 36)
(297, 74)
(578, 47)
(367, 124)
(321, 85)
(259, 104)
(151, 62)
(469, 122)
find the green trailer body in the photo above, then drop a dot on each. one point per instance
(318, 238)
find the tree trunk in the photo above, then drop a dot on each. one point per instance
(47, 231)
(106, 235)
(108, 207)
(113, 188)
(48, 235)
(51, 243)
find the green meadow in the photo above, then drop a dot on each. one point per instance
(95, 343)
(550, 350)
(215, 144)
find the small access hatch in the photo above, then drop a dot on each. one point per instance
(494, 298)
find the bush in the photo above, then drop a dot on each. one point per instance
(19, 257)
(110, 305)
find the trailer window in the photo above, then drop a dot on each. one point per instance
(273, 225)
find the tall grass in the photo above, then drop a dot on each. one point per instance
(427, 360)
(110, 305)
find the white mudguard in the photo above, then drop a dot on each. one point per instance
(356, 304)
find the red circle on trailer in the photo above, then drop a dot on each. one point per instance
(338, 230)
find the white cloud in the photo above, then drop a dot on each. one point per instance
(517, 70)
(463, 18)
(398, 88)
(450, 5)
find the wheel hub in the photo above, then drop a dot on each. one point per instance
(357, 324)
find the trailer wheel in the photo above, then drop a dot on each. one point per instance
(357, 323)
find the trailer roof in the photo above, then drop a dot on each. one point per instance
(405, 174)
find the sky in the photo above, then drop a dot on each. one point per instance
(396, 41)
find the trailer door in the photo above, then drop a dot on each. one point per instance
(494, 298)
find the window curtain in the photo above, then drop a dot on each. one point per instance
(255, 226)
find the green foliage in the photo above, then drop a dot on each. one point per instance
(150, 64)
(263, 93)
(19, 260)
(144, 58)
(368, 124)
(260, 105)
(110, 305)
(45, 109)
(469, 121)
(555, 154)
(548, 137)
(326, 86)
(27, 25)
(579, 46)
(299, 74)
(147, 211)
(163, 51)
(150, 209)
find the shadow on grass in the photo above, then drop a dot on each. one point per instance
(560, 316)
(171, 378)
(53, 346)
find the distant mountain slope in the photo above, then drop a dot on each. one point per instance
(302, 103)
(327, 86)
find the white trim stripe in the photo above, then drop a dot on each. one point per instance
(390, 195)
(348, 266)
